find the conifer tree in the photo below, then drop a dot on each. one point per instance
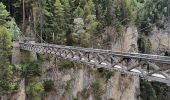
(6, 72)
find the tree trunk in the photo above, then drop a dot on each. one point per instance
(23, 16)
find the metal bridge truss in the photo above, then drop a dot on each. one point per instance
(149, 67)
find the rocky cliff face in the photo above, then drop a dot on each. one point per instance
(82, 82)
(74, 81)
(128, 41)
(160, 40)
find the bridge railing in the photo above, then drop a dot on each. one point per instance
(108, 59)
(154, 58)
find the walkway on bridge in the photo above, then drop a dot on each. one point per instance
(149, 67)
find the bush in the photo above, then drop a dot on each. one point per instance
(66, 64)
(30, 70)
(154, 90)
(48, 85)
(105, 73)
(35, 89)
(144, 45)
(97, 90)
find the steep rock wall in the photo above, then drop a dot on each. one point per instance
(160, 40)
(82, 82)
(128, 40)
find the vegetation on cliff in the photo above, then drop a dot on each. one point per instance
(7, 80)
(74, 22)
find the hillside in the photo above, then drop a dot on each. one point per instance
(138, 26)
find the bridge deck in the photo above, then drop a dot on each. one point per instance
(119, 61)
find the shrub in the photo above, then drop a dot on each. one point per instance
(35, 89)
(66, 64)
(31, 69)
(105, 73)
(48, 85)
(97, 90)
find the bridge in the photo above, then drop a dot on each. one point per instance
(146, 66)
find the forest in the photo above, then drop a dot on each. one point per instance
(84, 23)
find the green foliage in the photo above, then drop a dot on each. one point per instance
(79, 12)
(7, 86)
(31, 70)
(89, 8)
(97, 90)
(13, 29)
(57, 22)
(75, 99)
(110, 99)
(147, 91)
(35, 90)
(153, 90)
(7, 83)
(155, 12)
(3, 14)
(105, 73)
(144, 45)
(48, 85)
(66, 64)
(88, 13)
(5, 43)
(69, 86)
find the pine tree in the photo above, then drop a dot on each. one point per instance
(5, 53)
(59, 11)
(89, 8)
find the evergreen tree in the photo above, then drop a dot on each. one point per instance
(6, 73)
(49, 20)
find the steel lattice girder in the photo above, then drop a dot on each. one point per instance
(143, 65)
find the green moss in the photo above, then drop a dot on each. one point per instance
(105, 73)
(69, 85)
(26, 56)
(66, 64)
(97, 90)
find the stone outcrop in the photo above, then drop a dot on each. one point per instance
(79, 83)
(127, 42)
(87, 83)
(160, 40)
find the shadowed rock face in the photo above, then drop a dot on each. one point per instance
(159, 41)
(16, 55)
(128, 41)
(86, 83)
(124, 41)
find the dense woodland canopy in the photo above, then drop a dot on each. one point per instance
(74, 22)
(54, 19)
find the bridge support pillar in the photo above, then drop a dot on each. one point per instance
(16, 59)
(16, 54)
(28, 56)
(19, 56)
(33, 55)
